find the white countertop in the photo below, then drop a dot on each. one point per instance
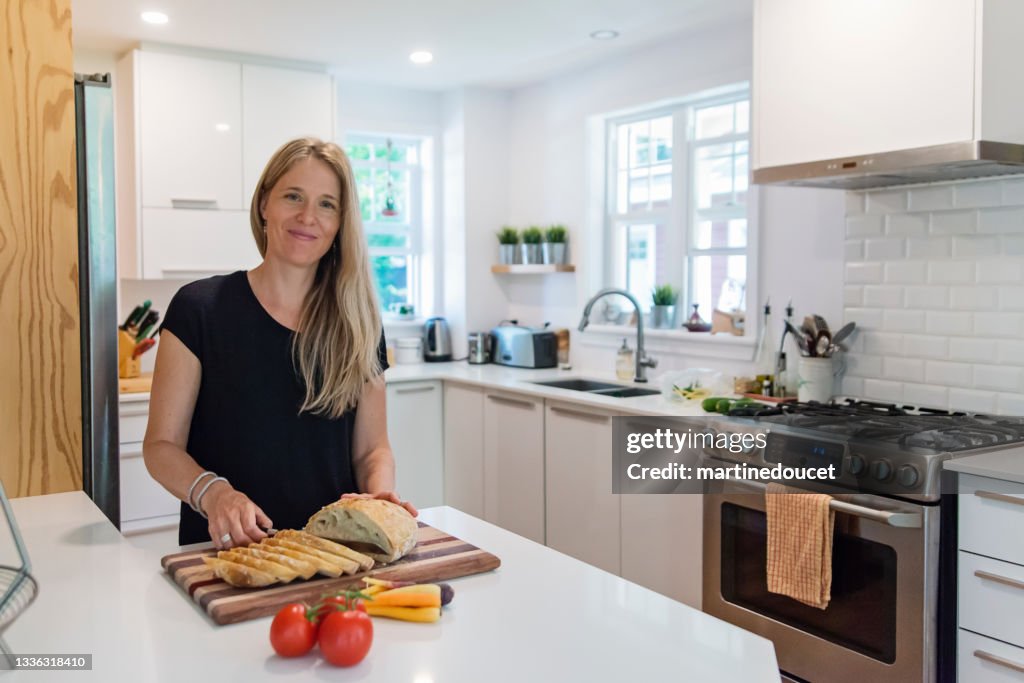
(1007, 465)
(542, 616)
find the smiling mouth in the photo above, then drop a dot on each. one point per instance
(305, 237)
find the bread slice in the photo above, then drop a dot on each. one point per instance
(364, 561)
(325, 564)
(279, 571)
(381, 529)
(303, 568)
(238, 574)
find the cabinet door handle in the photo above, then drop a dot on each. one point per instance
(512, 401)
(602, 419)
(997, 578)
(414, 390)
(1001, 497)
(193, 203)
(1001, 661)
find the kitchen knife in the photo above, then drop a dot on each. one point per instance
(147, 324)
(142, 347)
(132, 317)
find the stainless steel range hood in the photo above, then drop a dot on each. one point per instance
(953, 161)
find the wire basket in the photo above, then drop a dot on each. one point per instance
(18, 586)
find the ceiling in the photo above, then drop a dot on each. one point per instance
(474, 42)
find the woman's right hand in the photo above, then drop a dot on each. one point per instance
(230, 512)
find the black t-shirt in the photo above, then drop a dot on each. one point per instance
(246, 425)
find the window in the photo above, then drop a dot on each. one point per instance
(677, 209)
(388, 172)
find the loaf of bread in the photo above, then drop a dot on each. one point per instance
(377, 528)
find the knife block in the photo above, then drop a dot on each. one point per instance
(127, 367)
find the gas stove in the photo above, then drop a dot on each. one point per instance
(880, 448)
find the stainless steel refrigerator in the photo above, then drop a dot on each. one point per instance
(97, 272)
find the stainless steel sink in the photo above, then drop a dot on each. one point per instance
(599, 388)
(579, 385)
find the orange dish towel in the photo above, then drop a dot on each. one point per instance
(799, 545)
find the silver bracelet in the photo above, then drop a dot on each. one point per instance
(188, 498)
(199, 498)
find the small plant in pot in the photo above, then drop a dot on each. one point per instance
(553, 247)
(663, 312)
(508, 238)
(532, 237)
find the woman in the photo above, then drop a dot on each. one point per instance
(268, 395)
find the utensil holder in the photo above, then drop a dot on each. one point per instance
(818, 378)
(18, 586)
(127, 367)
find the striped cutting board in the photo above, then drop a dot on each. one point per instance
(437, 556)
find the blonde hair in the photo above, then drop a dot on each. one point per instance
(335, 348)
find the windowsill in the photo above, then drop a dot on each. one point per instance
(679, 341)
(403, 325)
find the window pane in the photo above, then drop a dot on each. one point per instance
(661, 138)
(710, 277)
(715, 121)
(639, 144)
(639, 188)
(387, 239)
(721, 234)
(364, 188)
(646, 260)
(399, 195)
(743, 116)
(358, 151)
(391, 277)
(622, 154)
(661, 184)
(721, 174)
(398, 151)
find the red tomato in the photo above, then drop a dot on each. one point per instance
(335, 603)
(292, 634)
(345, 637)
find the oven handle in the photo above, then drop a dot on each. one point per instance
(908, 520)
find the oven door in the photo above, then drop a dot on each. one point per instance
(880, 622)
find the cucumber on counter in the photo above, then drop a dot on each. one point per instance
(722, 405)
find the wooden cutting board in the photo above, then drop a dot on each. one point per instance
(437, 557)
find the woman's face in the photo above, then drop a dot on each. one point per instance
(303, 213)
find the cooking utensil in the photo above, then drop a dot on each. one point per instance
(142, 347)
(798, 335)
(844, 332)
(822, 344)
(820, 323)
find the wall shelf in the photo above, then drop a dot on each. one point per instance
(533, 269)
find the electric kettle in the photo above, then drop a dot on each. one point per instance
(437, 341)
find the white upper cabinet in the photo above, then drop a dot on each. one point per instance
(838, 79)
(190, 131)
(277, 106)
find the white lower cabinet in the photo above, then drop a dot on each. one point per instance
(464, 448)
(582, 513)
(662, 544)
(145, 504)
(415, 415)
(514, 463)
(984, 660)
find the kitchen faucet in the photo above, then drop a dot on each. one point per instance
(642, 360)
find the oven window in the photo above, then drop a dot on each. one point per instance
(862, 613)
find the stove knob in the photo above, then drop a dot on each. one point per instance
(881, 469)
(907, 476)
(856, 465)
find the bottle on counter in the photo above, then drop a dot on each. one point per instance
(765, 358)
(624, 366)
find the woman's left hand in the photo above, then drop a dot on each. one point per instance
(389, 496)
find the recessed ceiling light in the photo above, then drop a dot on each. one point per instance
(421, 57)
(154, 17)
(604, 34)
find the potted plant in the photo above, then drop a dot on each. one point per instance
(553, 247)
(663, 311)
(532, 237)
(508, 238)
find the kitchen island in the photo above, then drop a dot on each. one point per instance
(542, 616)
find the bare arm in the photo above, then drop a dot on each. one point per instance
(372, 459)
(176, 381)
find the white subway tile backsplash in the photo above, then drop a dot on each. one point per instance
(931, 198)
(854, 386)
(997, 378)
(854, 203)
(854, 250)
(948, 374)
(1011, 353)
(864, 225)
(906, 225)
(954, 222)
(1011, 245)
(998, 324)
(907, 369)
(883, 390)
(884, 249)
(884, 296)
(974, 194)
(853, 295)
(976, 350)
(928, 247)
(950, 272)
(969, 399)
(1010, 404)
(1000, 271)
(1001, 220)
(1011, 298)
(926, 395)
(863, 273)
(925, 346)
(1013, 191)
(947, 323)
(866, 318)
(863, 365)
(882, 343)
(975, 247)
(899, 320)
(974, 298)
(905, 272)
(886, 201)
(930, 296)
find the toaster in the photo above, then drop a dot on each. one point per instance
(524, 347)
